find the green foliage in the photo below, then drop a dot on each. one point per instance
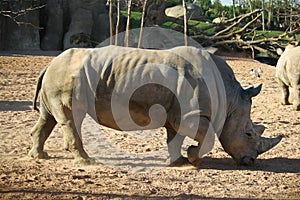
(135, 19)
(204, 5)
(194, 23)
(173, 3)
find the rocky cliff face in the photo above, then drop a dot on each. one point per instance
(21, 35)
(60, 24)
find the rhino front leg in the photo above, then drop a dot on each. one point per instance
(39, 134)
(296, 102)
(174, 142)
(285, 92)
(205, 137)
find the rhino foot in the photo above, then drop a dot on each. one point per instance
(296, 106)
(85, 161)
(181, 161)
(38, 154)
(285, 102)
(193, 155)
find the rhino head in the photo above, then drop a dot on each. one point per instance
(241, 138)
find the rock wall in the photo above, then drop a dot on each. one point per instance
(23, 35)
(60, 24)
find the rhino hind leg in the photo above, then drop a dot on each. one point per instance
(285, 92)
(174, 142)
(40, 132)
(296, 102)
(73, 142)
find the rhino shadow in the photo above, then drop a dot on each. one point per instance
(103, 195)
(78, 194)
(16, 53)
(277, 165)
(15, 105)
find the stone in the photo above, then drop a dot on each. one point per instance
(52, 40)
(193, 11)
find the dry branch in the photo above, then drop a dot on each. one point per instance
(231, 35)
(13, 15)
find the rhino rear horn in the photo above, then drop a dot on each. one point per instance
(251, 92)
(259, 128)
(268, 143)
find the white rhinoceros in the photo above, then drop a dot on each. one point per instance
(187, 90)
(288, 75)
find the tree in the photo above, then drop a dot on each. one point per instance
(270, 15)
(233, 7)
(111, 23)
(185, 23)
(142, 23)
(205, 5)
(263, 14)
(126, 40)
(118, 22)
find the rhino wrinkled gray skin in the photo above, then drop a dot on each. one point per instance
(197, 91)
(288, 75)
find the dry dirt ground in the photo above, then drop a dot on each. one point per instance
(276, 174)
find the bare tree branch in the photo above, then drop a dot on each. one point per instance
(13, 15)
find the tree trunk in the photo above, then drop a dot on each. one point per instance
(142, 24)
(233, 6)
(185, 23)
(111, 23)
(270, 15)
(118, 22)
(126, 40)
(286, 13)
(291, 15)
(250, 5)
(263, 14)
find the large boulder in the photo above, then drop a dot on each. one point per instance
(193, 11)
(155, 12)
(54, 30)
(80, 29)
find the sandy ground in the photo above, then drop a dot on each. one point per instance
(134, 166)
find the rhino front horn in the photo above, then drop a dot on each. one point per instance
(268, 143)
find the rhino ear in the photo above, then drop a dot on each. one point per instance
(251, 92)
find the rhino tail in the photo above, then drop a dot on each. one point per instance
(38, 88)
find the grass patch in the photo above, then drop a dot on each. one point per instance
(135, 19)
(192, 23)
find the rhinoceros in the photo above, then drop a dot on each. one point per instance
(187, 90)
(288, 75)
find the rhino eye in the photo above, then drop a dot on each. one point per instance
(248, 134)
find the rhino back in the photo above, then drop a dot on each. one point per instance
(146, 77)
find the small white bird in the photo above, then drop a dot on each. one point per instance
(256, 72)
(260, 70)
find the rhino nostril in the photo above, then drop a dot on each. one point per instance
(247, 160)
